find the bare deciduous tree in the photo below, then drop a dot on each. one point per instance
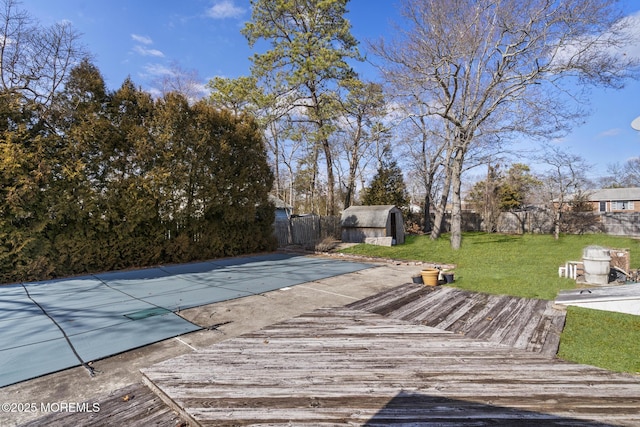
(426, 145)
(625, 174)
(271, 106)
(360, 110)
(35, 60)
(563, 181)
(489, 67)
(179, 80)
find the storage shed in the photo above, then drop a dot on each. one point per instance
(379, 224)
(283, 210)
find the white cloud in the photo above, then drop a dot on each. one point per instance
(155, 92)
(141, 39)
(610, 132)
(631, 28)
(224, 9)
(158, 70)
(622, 41)
(142, 49)
(148, 52)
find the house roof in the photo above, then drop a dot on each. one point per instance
(606, 194)
(366, 216)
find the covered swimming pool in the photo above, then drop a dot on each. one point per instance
(54, 325)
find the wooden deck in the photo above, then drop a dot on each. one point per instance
(413, 355)
(529, 324)
(346, 366)
(135, 405)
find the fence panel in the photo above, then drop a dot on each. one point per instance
(282, 230)
(307, 231)
(621, 223)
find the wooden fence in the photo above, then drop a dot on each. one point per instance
(307, 231)
(541, 221)
(621, 223)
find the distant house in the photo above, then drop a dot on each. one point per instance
(283, 210)
(380, 224)
(615, 199)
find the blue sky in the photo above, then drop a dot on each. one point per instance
(143, 38)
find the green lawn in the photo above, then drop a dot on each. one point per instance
(527, 266)
(601, 338)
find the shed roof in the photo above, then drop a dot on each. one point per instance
(366, 216)
(631, 193)
(279, 203)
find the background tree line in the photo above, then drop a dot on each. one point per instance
(94, 180)
(559, 195)
(459, 81)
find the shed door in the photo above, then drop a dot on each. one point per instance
(394, 232)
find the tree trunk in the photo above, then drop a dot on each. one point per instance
(456, 211)
(351, 182)
(347, 196)
(276, 161)
(314, 178)
(331, 203)
(442, 207)
(427, 212)
(428, 186)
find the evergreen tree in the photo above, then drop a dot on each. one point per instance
(24, 175)
(109, 180)
(234, 179)
(387, 186)
(311, 42)
(77, 188)
(216, 180)
(131, 201)
(501, 191)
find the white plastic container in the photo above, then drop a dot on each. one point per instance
(596, 260)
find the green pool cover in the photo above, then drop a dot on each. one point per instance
(53, 325)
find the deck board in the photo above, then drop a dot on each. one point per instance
(132, 406)
(341, 365)
(529, 324)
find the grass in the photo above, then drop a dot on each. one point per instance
(615, 336)
(527, 266)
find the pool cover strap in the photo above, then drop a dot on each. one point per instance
(73, 349)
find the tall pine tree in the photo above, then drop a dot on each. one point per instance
(311, 42)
